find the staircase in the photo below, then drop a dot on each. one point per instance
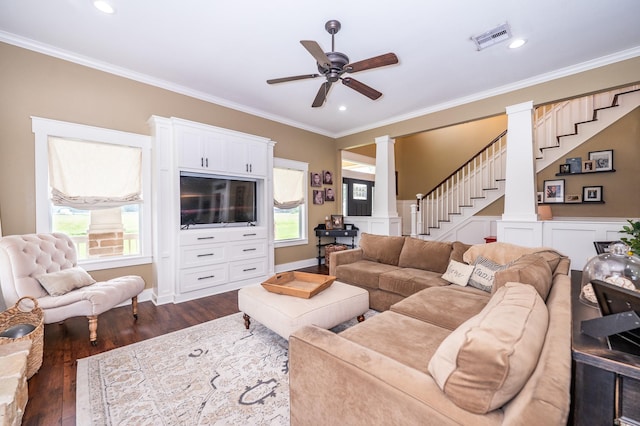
(558, 129)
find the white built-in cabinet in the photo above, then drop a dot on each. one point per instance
(193, 263)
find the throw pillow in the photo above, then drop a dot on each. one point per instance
(62, 282)
(530, 269)
(381, 248)
(498, 252)
(427, 255)
(458, 273)
(488, 359)
(483, 273)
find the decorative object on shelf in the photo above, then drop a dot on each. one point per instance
(592, 194)
(575, 164)
(348, 226)
(615, 267)
(315, 179)
(603, 160)
(327, 177)
(554, 191)
(318, 196)
(588, 166)
(328, 224)
(603, 246)
(573, 198)
(544, 212)
(634, 231)
(338, 221)
(565, 168)
(540, 197)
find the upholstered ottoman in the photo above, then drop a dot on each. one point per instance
(284, 314)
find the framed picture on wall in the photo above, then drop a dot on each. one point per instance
(602, 160)
(592, 194)
(554, 191)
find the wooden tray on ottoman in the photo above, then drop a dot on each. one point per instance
(298, 284)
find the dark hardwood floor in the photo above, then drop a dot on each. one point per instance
(52, 391)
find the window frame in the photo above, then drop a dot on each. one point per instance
(43, 128)
(283, 163)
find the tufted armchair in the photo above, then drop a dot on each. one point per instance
(25, 260)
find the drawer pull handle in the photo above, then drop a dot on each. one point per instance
(206, 238)
(249, 269)
(205, 254)
(207, 277)
(249, 235)
(250, 249)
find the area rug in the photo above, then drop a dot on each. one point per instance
(215, 373)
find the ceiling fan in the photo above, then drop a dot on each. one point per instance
(332, 65)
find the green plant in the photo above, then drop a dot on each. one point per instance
(634, 231)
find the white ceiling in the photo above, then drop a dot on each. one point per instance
(224, 51)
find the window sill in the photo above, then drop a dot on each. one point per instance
(290, 243)
(119, 262)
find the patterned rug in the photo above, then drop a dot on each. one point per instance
(215, 373)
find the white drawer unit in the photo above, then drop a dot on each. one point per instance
(247, 250)
(242, 270)
(198, 255)
(202, 237)
(192, 279)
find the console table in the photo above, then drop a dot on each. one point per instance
(606, 382)
(322, 232)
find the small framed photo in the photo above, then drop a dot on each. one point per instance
(587, 166)
(315, 179)
(565, 168)
(328, 225)
(554, 191)
(318, 196)
(602, 246)
(540, 197)
(337, 221)
(329, 195)
(602, 160)
(592, 194)
(327, 177)
(573, 198)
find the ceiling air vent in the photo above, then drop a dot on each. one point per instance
(493, 36)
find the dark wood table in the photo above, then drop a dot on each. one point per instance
(606, 382)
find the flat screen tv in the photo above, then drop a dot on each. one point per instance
(216, 201)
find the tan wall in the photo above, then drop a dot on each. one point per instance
(32, 84)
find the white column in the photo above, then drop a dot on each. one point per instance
(519, 224)
(385, 219)
(414, 220)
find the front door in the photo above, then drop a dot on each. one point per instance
(358, 196)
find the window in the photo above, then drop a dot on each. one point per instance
(289, 202)
(94, 185)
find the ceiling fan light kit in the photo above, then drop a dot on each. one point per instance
(332, 65)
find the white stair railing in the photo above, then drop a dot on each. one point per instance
(463, 186)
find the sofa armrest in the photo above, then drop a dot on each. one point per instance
(343, 257)
(336, 381)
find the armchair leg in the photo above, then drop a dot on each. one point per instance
(134, 306)
(93, 329)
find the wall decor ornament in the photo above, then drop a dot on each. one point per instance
(554, 191)
(603, 160)
(588, 166)
(592, 194)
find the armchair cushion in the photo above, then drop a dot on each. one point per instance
(62, 282)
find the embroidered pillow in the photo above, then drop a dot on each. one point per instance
(483, 274)
(62, 282)
(458, 273)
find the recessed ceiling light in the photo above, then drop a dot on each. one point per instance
(104, 6)
(342, 108)
(519, 42)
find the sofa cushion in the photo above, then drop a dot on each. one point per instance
(500, 253)
(407, 281)
(446, 307)
(458, 273)
(63, 281)
(484, 273)
(381, 248)
(530, 269)
(485, 362)
(363, 273)
(428, 255)
(458, 251)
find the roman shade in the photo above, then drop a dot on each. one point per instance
(91, 175)
(288, 188)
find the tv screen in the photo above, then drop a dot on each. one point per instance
(209, 201)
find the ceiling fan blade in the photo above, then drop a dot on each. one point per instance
(293, 78)
(375, 62)
(369, 92)
(321, 96)
(317, 52)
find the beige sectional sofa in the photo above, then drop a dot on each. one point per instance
(447, 354)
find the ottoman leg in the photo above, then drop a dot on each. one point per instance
(360, 318)
(247, 321)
